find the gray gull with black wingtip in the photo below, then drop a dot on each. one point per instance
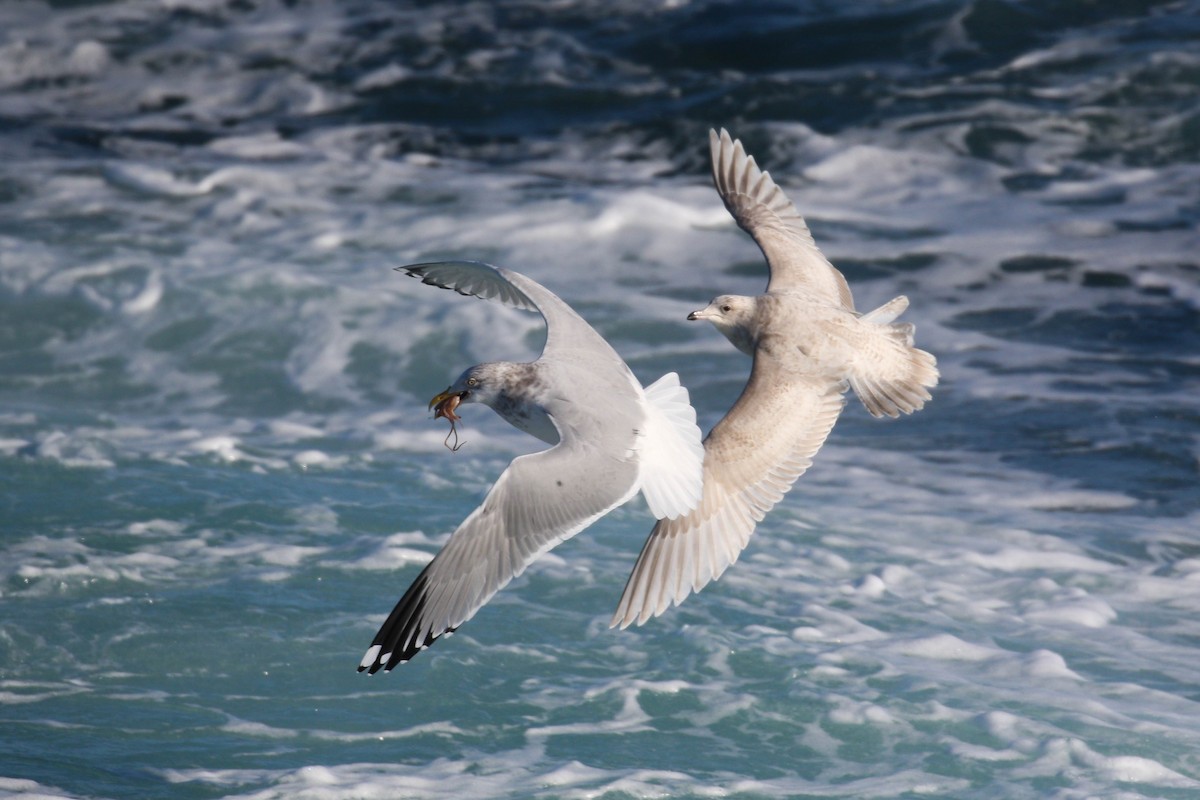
(610, 439)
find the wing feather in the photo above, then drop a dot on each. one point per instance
(761, 209)
(752, 457)
(565, 329)
(541, 500)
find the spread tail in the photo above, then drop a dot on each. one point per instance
(894, 375)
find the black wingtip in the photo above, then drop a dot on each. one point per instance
(396, 642)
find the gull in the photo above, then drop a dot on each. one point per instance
(610, 438)
(809, 347)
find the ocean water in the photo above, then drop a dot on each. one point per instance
(218, 473)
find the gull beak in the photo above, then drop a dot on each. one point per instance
(695, 315)
(444, 403)
(441, 397)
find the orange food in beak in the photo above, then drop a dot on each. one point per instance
(443, 405)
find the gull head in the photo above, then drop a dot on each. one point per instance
(476, 385)
(479, 384)
(733, 315)
(514, 391)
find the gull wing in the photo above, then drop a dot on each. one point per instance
(540, 500)
(762, 210)
(752, 457)
(668, 446)
(565, 330)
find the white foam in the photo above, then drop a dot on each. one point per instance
(1048, 664)
(227, 448)
(382, 78)
(1129, 768)
(166, 552)
(153, 180)
(75, 449)
(900, 176)
(1087, 612)
(860, 714)
(1076, 500)
(981, 753)
(21, 789)
(945, 647)
(148, 298)
(19, 692)
(224, 446)
(1011, 559)
(393, 552)
(260, 730)
(259, 147)
(1009, 729)
(869, 586)
(315, 458)
(630, 719)
(293, 430)
(264, 552)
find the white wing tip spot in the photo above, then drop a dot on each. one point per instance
(371, 655)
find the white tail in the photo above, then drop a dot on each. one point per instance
(898, 377)
(670, 453)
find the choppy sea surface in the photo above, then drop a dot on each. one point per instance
(218, 473)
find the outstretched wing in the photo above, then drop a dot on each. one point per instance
(762, 210)
(540, 500)
(565, 330)
(752, 457)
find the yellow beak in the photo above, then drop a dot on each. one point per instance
(441, 397)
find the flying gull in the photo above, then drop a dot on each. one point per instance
(809, 346)
(610, 438)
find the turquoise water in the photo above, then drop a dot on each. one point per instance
(218, 472)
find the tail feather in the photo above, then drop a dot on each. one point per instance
(887, 312)
(897, 377)
(670, 451)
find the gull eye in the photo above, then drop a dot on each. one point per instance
(472, 382)
(726, 308)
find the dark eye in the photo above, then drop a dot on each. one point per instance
(727, 309)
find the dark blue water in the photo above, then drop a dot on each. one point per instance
(217, 472)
